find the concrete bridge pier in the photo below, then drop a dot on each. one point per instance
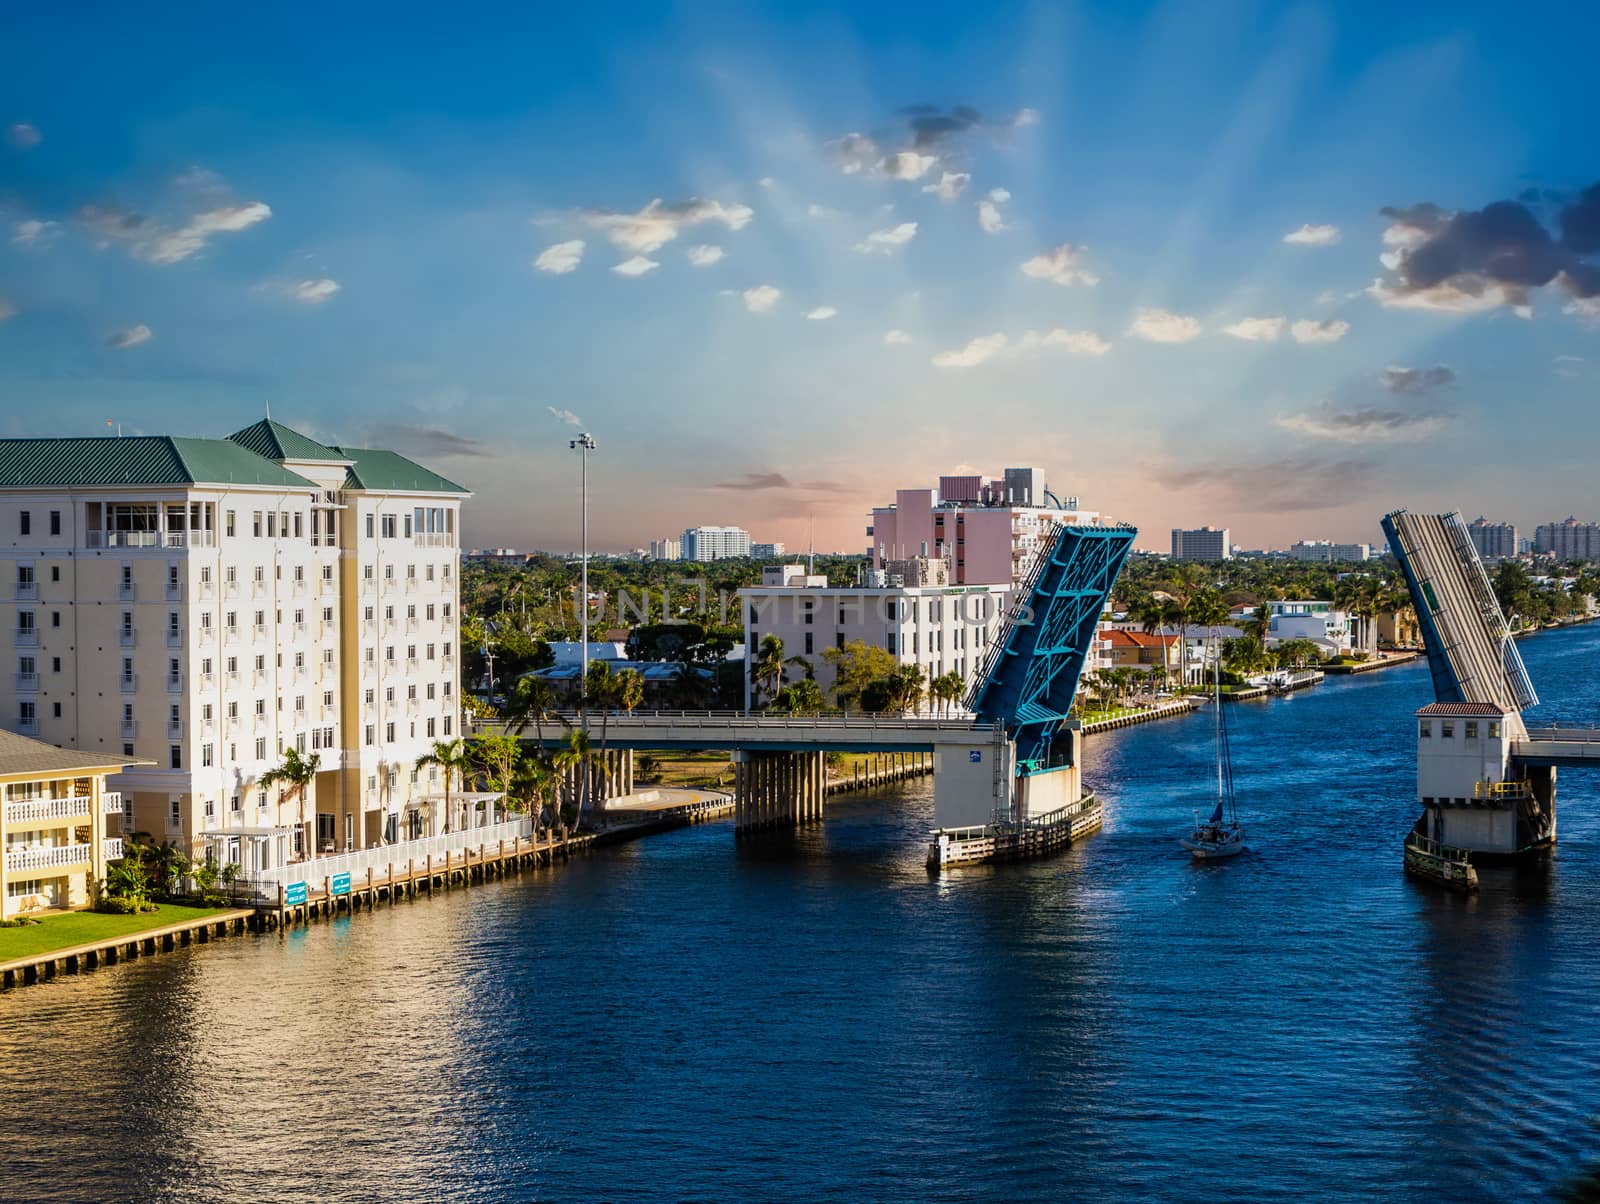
(777, 789)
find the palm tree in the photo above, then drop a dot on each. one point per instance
(906, 688)
(580, 755)
(296, 774)
(530, 700)
(629, 689)
(767, 672)
(453, 756)
(534, 785)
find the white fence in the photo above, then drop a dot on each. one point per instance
(380, 858)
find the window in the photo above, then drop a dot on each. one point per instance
(235, 804)
(24, 522)
(388, 694)
(261, 748)
(430, 612)
(369, 536)
(272, 524)
(327, 698)
(1447, 729)
(55, 666)
(55, 618)
(411, 693)
(55, 522)
(447, 725)
(891, 640)
(808, 639)
(388, 526)
(1472, 729)
(177, 758)
(55, 572)
(206, 712)
(255, 524)
(327, 572)
(367, 697)
(233, 708)
(838, 641)
(1494, 728)
(228, 526)
(261, 707)
(388, 733)
(327, 614)
(55, 710)
(207, 757)
(431, 732)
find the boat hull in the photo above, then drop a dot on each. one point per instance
(1215, 850)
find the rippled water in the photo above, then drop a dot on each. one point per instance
(811, 1016)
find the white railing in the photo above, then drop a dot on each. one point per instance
(27, 589)
(26, 637)
(111, 802)
(122, 539)
(127, 637)
(27, 683)
(34, 809)
(379, 859)
(44, 859)
(432, 539)
(128, 683)
(620, 721)
(112, 848)
(1566, 735)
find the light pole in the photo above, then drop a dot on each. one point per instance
(583, 445)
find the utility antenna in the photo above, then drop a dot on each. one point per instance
(269, 410)
(811, 551)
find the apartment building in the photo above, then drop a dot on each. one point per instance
(1325, 551)
(1567, 540)
(942, 628)
(714, 543)
(203, 605)
(1494, 541)
(1201, 543)
(56, 824)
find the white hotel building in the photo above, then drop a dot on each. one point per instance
(205, 604)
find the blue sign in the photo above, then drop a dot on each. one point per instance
(340, 884)
(294, 894)
(975, 755)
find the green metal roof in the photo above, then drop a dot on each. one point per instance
(138, 460)
(278, 442)
(386, 470)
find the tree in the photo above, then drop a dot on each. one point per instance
(803, 697)
(947, 689)
(295, 774)
(856, 667)
(534, 786)
(629, 689)
(587, 762)
(1299, 653)
(531, 700)
(1260, 625)
(766, 672)
(497, 757)
(454, 758)
(906, 687)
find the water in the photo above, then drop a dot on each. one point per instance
(813, 1017)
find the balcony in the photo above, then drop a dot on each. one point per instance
(40, 810)
(26, 591)
(431, 539)
(174, 637)
(369, 585)
(207, 591)
(208, 681)
(112, 848)
(260, 631)
(122, 539)
(230, 588)
(126, 591)
(230, 635)
(59, 857)
(129, 728)
(128, 683)
(111, 802)
(174, 729)
(298, 587)
(411, 585)
(26, 637)
(28, 725)
(300, 631)
(174, 683)
(189, 539)
(174, 591)
(127, 637)
(27, 683)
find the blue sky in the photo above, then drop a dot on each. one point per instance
(886, 242)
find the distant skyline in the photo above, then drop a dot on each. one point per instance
(1274, 268)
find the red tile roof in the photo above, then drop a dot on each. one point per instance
(1140, 639)
(1463, 708)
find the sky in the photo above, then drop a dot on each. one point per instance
(1274, 267)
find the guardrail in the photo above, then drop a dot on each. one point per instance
(778, 720)
(382, 856)
(1565, 735)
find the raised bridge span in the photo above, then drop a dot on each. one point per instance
(1007, 778)
(1486, 782)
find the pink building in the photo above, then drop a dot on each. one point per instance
(968, 520)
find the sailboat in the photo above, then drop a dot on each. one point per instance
(1220, 836)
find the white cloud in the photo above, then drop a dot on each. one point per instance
(32, 232)
(1163, 326)
(154, 243)
(24, 136)
(1313, 236)
(1585, 309)
(854, 153)
(896, 338)
(315, 292)
(1060, 266)
(566, 416)
(7, 310)
(990, 220)
(121, 340)
(560, 258)
(704, 255)
(907, 165)
(1077, 342)
(1448, 297)
(767, 182)
(637, 266)
(1256, 330)
(1025, 117)
(1369, 425)
(886, 242)
(978, 351)
(1327, 330)
(761, 298)
(821, 314)
(658, 223)
(949, 186)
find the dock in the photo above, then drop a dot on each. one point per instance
(40, 967)
(1167, 710)
(1382, 662)
(1010, 841)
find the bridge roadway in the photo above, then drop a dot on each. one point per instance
(1568, 746)
(765, 731)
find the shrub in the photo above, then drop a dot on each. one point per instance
(116, 905)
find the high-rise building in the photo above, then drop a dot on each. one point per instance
(1201, 543)
(1327, 552)
(666, 549)
(204, 605)
(975, 523)
(767, 551)
(1568, 540)
(715, 543)
(1494, 541)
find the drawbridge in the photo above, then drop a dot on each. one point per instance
(1486, 784)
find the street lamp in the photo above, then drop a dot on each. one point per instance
(583, 445)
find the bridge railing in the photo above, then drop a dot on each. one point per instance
(1566, 735)
(854, 721)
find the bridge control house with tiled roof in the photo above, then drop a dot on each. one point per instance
(205, 604)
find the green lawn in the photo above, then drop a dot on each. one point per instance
(66, 929)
